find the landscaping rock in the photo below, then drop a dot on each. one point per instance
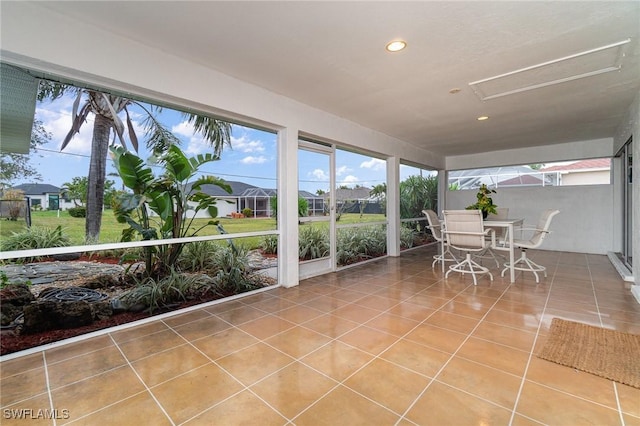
(45, 315)
(12, 299)
(103, 281)
(66, 256)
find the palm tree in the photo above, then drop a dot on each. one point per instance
(106, 109)
(379, 192)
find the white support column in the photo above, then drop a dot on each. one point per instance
(393, 206)
(288, 268)
(443, 185)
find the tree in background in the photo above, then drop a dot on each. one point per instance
(106, 109)
(16, 166)
(418, 193)
(76, 190)
(379, 192)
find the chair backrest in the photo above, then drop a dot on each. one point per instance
(501, 213)
(464, 228)
(434, 224)
(542, 228)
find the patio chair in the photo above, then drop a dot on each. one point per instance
(465, 231)
(537, 236)
(435, 225)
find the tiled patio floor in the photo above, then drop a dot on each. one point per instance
(388, 342)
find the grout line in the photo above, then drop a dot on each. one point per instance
(533, 346)
(435, 376)
(620, 412)
(46, 379)
(593, 289)
(143, 382)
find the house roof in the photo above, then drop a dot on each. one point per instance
(37, 188)
(241, 189)
(522, 180)
(237, 189)
(361, 193)
(598, 163)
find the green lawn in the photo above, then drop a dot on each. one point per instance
(111, 230)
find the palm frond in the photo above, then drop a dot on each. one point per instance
(159, 138)
(53, 90)
(78, 121)
(216, 132)
(132, 133)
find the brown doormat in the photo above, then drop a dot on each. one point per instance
(606, 353)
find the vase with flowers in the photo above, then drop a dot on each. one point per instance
(484, 201)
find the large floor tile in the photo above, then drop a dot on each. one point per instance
(550, 406)
(343, 406)
(443, 405)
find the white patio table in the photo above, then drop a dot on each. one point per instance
(510, 225)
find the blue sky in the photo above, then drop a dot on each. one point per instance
(252, 158)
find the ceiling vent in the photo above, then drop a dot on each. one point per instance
(573, 67)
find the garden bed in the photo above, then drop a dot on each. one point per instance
(84, 273)
(11, 342)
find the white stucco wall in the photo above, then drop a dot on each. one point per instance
(596, 177)
(584, 224)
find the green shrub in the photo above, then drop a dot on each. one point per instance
(247, 212)
(269, 244)
(157, 293)
(358, 244)
(78, 212)
(407, 237)
(35, 238)
(233, 273)
(198, 256)
(303, 207)
(313, 243)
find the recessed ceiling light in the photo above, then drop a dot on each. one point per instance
(482, 118)
(396, 45)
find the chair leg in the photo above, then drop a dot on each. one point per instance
(488, 253)
(469, 266)
(527, 265)
(446, 256)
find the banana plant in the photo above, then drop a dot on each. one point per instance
(157, 206)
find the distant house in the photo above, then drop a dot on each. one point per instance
(585, 172)
(44, 196)
(255, 198)
(355, 200)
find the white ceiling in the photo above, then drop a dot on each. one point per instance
(331, 55)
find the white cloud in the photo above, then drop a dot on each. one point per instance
(195, 143)
(342, 170)
(183, 129)
(349, 180)
(319, 174)
(58, 123)
(244, 145)
(253, 160)
(374, 164)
